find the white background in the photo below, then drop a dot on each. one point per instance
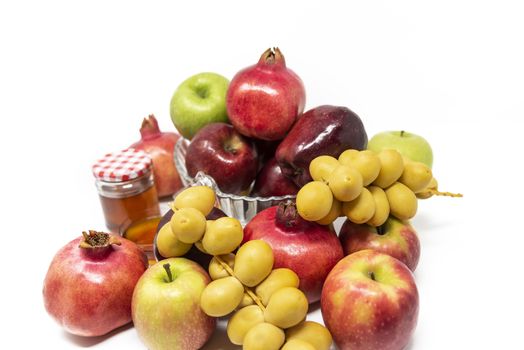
(76, 79)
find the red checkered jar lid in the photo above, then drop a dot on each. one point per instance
(122, 166)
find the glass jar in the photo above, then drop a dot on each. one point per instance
(126, 188)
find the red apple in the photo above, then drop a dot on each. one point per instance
(271, 182)
(264, 100)
(395, 237)
(309, 249)
(324, 130)
(266, 150)
(370, 302)
(222, 153)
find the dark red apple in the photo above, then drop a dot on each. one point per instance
(89, 285)
(264, 100)
(271, 182)
(266, 150)
(222, 153)
(325, 130)
(395, 237)
(309, 249)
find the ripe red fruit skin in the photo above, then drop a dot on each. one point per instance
(160, 147)
(264, 100)
(309, 249)
(89, 292)
(271, 182)
(323, 130)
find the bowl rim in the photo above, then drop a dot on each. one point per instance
(205, 179)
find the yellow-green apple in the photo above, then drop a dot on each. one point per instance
(410, 145)
(370, 302)
(222, 153)
(166, 306)
(395, 237)
(198, 101)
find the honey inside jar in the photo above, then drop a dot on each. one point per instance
(143, 231)
(129, 209)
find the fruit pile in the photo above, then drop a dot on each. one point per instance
(267, 300)
(252, 136)
(364, 186)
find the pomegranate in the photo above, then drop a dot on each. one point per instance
(308, 248)
(90, 282)
(160, 147)
(264, 100)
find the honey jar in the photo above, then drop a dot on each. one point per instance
(126, 187)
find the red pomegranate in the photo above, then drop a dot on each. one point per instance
(264, 100)
(160, 146)
(309, 249)
(90, 282)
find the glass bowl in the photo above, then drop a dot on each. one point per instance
(243, 208)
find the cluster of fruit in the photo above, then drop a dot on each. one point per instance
(364, 186)
(189, 226)
(252, 134)
(267, 301)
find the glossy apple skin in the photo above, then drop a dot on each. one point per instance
(199, 100)
(222, 153)
(397, 238)
(266, 151)
(90, 294)
(324, 130)
(271, 182)
(309, 249)
(264, 100)
(167, 315)
(370, 314)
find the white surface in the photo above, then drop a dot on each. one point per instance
(76, 80)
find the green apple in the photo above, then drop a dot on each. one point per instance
(198, 101)
(166, 306)
(410, 145)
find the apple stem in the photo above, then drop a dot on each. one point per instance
(380, 230)
(402, 133)
(372, 276)
(249, 292)
(167, 267)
